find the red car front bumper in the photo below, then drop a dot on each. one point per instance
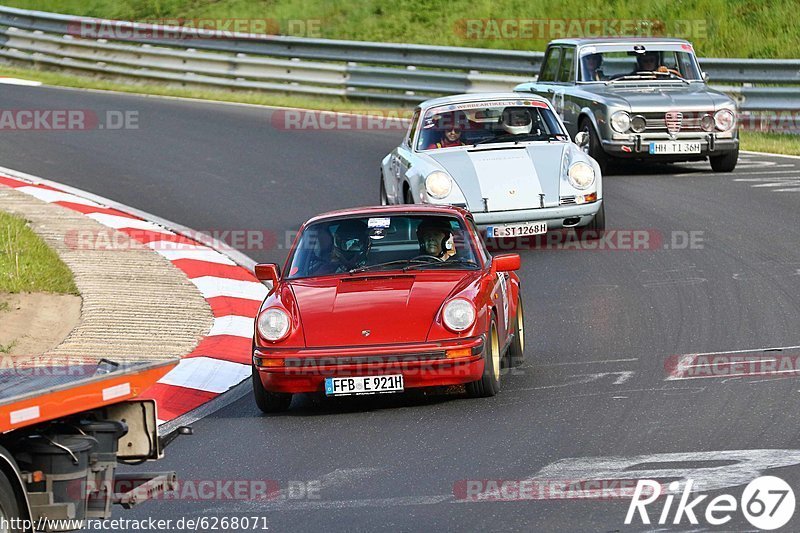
(422, 364)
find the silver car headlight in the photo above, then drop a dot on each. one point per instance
(273, 324)
(458, 314)
(581, 175)
(621, 121)
(438, 184)
(724, 119)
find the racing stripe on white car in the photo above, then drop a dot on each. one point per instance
(222, 358)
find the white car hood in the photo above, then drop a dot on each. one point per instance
(509, 177)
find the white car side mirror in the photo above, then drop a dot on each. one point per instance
(581, 138)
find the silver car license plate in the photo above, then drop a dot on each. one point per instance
(364, 385)
(672, 147)
(516, 230)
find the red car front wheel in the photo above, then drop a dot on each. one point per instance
(269, 402)
(489, 384)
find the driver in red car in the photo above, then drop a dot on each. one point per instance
(436, 239)
(351, 245)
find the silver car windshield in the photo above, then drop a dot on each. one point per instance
(597, 64)
(488, 122)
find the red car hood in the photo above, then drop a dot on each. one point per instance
(392, 308)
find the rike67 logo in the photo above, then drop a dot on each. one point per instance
(767, 503)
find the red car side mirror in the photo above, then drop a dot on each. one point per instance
(506, 262)
(268, 272)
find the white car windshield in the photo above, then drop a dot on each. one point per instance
(597, 64)
(488, 122)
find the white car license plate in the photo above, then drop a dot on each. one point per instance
(516, 230)
(671, 147)
(363, 385)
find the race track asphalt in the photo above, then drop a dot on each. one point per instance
(604, 330)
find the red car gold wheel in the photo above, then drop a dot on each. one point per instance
(489, 384)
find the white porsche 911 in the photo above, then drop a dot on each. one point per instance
(506, 158)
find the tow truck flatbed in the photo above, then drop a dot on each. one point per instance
(59, 393)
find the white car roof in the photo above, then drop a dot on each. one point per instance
(478, 97)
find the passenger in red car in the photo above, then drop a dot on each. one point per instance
(436, 239)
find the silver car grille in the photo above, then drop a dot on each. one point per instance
(656, 122)
(567, 200)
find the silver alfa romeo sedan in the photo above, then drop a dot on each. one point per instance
(638, 98)
(505, 157)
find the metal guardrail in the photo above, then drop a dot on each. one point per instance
(400, 73)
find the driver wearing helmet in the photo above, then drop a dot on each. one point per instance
(516, 121)
(436, 239)
(351, 244)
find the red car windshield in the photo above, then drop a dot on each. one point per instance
(380, 243)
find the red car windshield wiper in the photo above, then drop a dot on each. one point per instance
(466, 262)
(386, 264)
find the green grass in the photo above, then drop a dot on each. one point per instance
(776, 143)
(4, 307)
(5, 349)
(27, 264)
(719, 28)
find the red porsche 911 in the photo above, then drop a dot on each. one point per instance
(384, 299)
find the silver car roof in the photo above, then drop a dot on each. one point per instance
(477, 97)
(619, 40)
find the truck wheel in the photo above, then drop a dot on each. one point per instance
(489, 384)
(726, 162)
(269, 402)
(9, 508)
(595, 147)
(516, 355)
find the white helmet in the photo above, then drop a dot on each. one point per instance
(516, 120)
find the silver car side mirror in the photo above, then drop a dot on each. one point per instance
(581, 138)
(704, 75)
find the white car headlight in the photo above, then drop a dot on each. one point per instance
(438, 184)
(621, 121)
(273, 324)
(458, 314)
(581, 175)
(724, 119)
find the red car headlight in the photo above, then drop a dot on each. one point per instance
(274, 324)
(458, 315)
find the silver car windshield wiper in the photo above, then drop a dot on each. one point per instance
(465, 262)
(386, 264)
(648, 75)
